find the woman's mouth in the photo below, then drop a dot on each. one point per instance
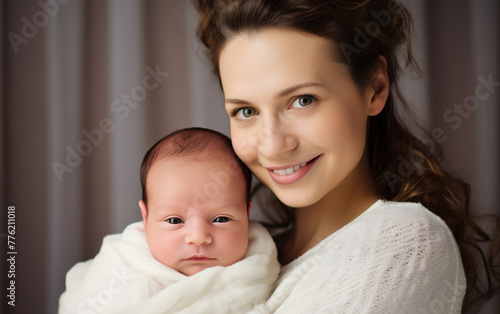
(291, 174)
(284, 172)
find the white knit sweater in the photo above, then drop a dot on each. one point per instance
(394, 258)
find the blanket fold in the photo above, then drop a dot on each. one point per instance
(124, 277)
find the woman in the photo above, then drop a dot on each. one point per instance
(376, 224)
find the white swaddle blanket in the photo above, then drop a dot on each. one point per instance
(124, 277)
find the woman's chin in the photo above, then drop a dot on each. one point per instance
(296, 200)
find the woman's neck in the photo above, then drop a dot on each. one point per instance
(336, 209)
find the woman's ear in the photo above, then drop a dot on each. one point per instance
(379, 88)
(144, 210)
(250, 203)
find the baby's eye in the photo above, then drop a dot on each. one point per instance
(221, 219)
(174, 220)
(244, 113)
(303, 101)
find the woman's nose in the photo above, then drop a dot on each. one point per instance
(276, 139)
(198, 234)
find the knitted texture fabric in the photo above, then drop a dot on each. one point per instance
(394, 258)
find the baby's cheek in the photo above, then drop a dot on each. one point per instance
(153, 245)
(243, 245)
(158, 246)
(235, 249)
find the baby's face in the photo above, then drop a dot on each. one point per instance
(196, 213)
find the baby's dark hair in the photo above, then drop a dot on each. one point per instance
(189, 143)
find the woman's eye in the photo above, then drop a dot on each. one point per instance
(303, 101)
(244, 113)
(174, 220)
(221, 219)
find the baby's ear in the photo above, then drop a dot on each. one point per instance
(144, 210)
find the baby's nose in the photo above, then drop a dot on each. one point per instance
(198, 235)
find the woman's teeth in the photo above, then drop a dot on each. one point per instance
(287, 171)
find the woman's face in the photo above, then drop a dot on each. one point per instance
(297, 118)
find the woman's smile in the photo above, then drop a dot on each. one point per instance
(291, 174)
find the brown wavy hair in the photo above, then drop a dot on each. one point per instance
(403, 167)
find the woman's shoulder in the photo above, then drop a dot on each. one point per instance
(400, 210)
(397, 217)
(393, 228)
(395, 257)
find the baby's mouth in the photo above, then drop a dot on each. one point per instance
(200, 258)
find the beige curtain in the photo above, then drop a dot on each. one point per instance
(88, 86)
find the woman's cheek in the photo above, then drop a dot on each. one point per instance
(245, 144)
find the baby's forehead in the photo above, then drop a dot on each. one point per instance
(207, 165)
(177, 183)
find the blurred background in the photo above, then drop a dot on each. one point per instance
(88, 86)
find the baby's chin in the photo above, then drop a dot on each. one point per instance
(192, 270)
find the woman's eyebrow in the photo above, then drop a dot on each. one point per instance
(283, 93)
(236, 101)
(292, 89)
